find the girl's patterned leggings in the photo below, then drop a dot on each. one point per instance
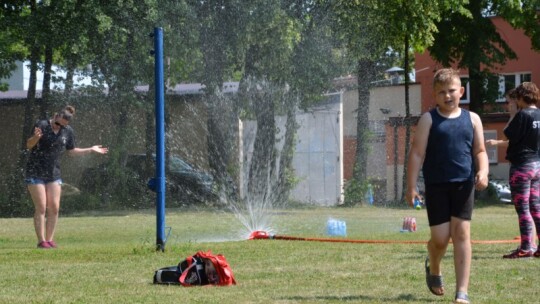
(525, 188)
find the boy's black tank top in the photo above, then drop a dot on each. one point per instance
(449, 149)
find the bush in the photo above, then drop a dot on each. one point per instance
(358, 193)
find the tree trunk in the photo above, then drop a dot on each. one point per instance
(222, 126)
(68, 84)
(46, 88)
(365, 79)
(475, 84)
(287, 154)
(263, 158)
(16, 180)
(407, 120)
(472, 62)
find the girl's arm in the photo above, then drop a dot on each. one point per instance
(82, 151)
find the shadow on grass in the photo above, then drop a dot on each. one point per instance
(361, 298)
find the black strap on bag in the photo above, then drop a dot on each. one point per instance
(167, 275)
(188, 272)
(194, 274)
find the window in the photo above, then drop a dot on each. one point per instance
(510, 81)
(506, 82)
(378, 127)
(492, 153)
(465, 84)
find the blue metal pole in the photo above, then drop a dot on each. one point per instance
(160, 138)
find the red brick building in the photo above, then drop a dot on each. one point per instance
(525, 68)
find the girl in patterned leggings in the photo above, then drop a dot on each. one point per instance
(525, 185)
(523, 133)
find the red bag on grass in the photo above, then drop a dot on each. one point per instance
(203, 268)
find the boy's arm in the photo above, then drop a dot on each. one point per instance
(479, 154)
(416, 156)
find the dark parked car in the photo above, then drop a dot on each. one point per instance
(502, 190)
(183, 181)
(182, 178)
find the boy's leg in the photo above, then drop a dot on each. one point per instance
(460, 231)
(437, 245)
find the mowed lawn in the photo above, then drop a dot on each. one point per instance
(111, 258)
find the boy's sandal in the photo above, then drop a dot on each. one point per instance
(462, 298)
(434, 281)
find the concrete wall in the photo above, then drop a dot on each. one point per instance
(318, 158)
(391, 99)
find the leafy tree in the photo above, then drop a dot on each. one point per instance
(471, 40)
(290, 45)
(372, 28)
(409, 32)
(220, 30)
(23, 19)
(361, 26)
(272, 44)
(11, 48)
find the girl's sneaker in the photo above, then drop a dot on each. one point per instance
(518, 254)
(43, 245)
(52, 244)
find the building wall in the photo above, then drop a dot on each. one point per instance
(390, 98)
(318, 154)
(393, 98)
(16, 81)
(317, 161)
(350, 106)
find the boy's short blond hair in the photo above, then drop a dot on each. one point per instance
(446, 75)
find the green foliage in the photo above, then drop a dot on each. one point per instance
(21, 208)
(471, 40)
(10, 46)
(356, 192)
(81, 203)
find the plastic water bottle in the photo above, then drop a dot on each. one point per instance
(335, 227)
(409, 224)
(369, 195)
(331, 227)
(417, 204)
(342, 228)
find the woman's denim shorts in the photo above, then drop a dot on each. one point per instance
(41, 181)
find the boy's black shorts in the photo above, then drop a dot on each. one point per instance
(449, 199)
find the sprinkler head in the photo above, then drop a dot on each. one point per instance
(259, 235)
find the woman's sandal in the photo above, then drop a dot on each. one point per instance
(434, 281)
(462, 298)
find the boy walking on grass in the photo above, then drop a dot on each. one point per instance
(449, 145)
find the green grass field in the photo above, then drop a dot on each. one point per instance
(111, 258)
